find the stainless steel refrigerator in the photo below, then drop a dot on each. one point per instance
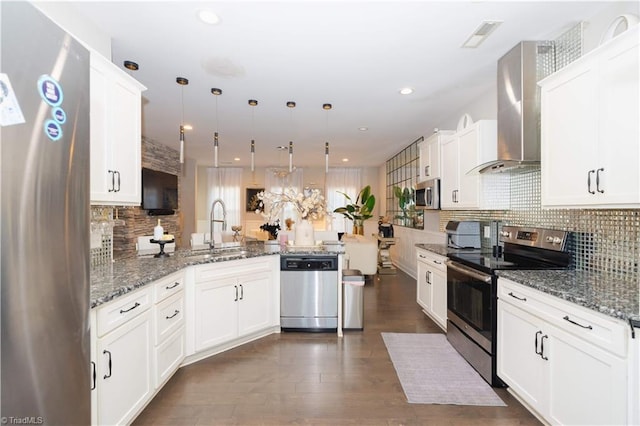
(44, 251)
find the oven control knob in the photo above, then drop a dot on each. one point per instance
(550, 239)
(505, 234)
(557, 240)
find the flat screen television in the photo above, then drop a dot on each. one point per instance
(159, 192)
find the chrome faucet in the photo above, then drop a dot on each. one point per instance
(213, 220)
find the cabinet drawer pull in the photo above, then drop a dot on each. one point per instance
(538, 333)
(542, 347)
(524, 299)
(123, 311)
(437, 262)
(104, 352)
(589, 181)
(175, 312)
(598, 180)
(170, 287)
(113, 180)
(566, 318)
(93, 375)
(424, 257)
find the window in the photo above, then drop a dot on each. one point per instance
(343, 180)
(402, 175)
(225, 184)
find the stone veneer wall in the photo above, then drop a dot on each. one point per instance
(137, 221)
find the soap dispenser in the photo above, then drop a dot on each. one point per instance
(158, 231)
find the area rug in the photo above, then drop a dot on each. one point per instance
(431, 371)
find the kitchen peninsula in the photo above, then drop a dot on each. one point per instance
(151, 316)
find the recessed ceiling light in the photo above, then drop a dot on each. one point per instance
(481, 33)
(363, 129)
(406, 91)
(236, 159)
(345, 160)
(208, 17)
(188, 127)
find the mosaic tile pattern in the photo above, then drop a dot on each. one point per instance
(606, 241)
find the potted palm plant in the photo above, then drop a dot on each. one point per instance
(360, 210)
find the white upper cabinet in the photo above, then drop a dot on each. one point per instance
(429, 151)
(463, 151)
(591, 130)
(116, 112)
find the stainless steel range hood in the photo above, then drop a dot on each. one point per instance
(519, 107)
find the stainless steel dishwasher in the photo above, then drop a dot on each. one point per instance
(308, 292)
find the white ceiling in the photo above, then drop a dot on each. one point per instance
(355, 55)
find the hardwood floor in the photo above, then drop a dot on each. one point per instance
(318, 378)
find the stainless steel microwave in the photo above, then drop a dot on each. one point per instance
(428, 195)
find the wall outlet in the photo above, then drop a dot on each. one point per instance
(487, 232)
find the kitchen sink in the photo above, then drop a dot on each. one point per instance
(219, 254)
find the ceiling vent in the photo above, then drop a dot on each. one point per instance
(481, 33)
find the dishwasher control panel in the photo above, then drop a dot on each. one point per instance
(309, 263)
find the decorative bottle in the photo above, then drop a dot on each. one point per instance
(158, 231)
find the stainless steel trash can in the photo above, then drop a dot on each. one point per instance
(352, 299)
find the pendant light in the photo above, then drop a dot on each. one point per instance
(182, 82)
(326, 107)
(291, 105)
(217, 92)
(253, 103)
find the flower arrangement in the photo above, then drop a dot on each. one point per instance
(309, 203)
(272, 229)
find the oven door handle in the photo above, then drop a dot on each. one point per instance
(468, 271)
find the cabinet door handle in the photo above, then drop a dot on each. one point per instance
(542, 347)
(171, 287)
(426, 170)
(122, 311)
(175, 312)
(93, 375)
(589, 182)
(566, 318)
(538, 333)
(241, 292)
(113, 180)
(424, 257)
(437, 262)
(236, 299)
(524, 299)
(598, 180)
(118, 173)
(106, 376)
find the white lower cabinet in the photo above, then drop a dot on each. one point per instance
(169, 322)
(552, 356)
(123, 357)
(232, 300)
(432, 286)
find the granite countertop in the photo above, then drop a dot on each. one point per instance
(612, 296)
(443, 249)
(609, 295)
(108, 282)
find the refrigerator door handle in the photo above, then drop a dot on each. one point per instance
(93, 375)
(106, 376)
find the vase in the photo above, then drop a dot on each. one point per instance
(358, 227)
(304, 233)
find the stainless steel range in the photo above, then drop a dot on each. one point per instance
(472, 293)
